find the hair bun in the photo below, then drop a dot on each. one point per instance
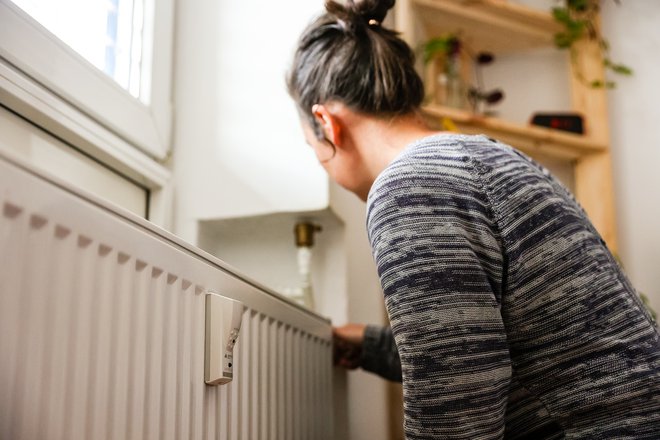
(360, 11)
(372, 9)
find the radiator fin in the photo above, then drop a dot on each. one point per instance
(101, 339)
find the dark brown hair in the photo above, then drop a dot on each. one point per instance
(347, 56)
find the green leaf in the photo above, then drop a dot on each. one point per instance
(577, 28)
(621, 69)
(435, 46)
(604, 44)
(563, 40)
(598, 84)
(562, 15)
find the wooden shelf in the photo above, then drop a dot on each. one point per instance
(487, 25)
(535, 141)
(503, 27)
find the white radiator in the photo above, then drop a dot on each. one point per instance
(102, 331)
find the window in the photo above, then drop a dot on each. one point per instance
(110, 59)
(107, 33)
(97, 75)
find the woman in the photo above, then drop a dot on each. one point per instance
(510, 316)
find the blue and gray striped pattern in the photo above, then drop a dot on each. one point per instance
(511, 317)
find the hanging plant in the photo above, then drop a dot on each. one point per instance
(578, 17)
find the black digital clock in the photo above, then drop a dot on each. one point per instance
(572, 122)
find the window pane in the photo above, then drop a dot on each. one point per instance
(108, 33)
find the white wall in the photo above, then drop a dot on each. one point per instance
(633, 30)
(239, 149)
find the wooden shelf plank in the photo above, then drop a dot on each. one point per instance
(533, 140)
(487, 25)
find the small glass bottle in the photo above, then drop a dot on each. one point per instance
(441, 89)
(455, 88)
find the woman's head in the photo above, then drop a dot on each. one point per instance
(348, 57)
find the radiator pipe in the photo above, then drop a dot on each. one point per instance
(304, 232)
(304, 237)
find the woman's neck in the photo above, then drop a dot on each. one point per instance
(380, 141)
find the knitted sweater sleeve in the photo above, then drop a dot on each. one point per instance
(379, 353)
(440, 264)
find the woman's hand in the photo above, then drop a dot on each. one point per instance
(347, 345)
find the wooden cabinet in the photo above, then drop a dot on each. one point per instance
(501, 27)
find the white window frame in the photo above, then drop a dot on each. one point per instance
(46, 81)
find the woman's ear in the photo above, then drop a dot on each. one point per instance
(329, 122)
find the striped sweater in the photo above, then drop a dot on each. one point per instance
(511, 317)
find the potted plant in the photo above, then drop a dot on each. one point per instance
(443, 57)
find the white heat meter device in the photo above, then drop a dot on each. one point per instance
(223, 322)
